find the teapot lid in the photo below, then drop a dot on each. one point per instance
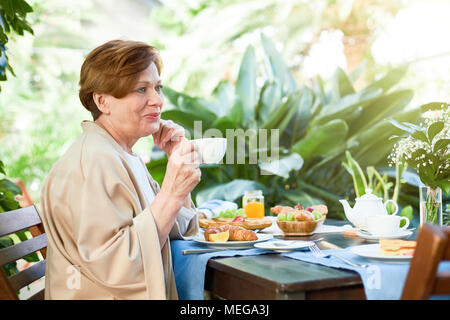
(368, 195)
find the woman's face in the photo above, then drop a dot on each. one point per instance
(138, 114)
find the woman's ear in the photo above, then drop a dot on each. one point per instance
(101, 101)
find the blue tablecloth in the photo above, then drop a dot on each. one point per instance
(190, 269)
(381, 280)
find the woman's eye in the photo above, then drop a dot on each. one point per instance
(142, 90)
(159, 87)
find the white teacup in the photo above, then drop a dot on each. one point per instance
(211, 150)
(386, 225)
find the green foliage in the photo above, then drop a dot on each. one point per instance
(40, 108)
(317, 123)
(297, 25)
(8, 191)
(380, 184)
(426, 148)
(12, 19)
(407, 212)
(359, 179)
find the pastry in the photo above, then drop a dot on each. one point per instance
(321, 208)
(282, 209)
(299, 213)
(247, 223)
(300, 220)
(303, 215)
(236, 233)
(395, 247)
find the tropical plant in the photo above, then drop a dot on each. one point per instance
(8, 191)
(40, 108)
(378, 183)
(12, 19)
(13, 14)
(426, 148)
(316, 123)
(297, 26)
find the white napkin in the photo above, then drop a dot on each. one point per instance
(213, 208)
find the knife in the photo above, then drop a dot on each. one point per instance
(193, 251)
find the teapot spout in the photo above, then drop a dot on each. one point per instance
(347, 209)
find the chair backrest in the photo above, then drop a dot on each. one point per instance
(13, 221)
(423, 280)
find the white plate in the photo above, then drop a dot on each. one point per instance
(283, 245)
(232, 244)
(372, 251)
(368, 236)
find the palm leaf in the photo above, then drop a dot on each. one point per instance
(283, 166)
(230, 191)
(276, 64)
(390, 79)
(359, 179)
(246, 88)
(322, 139)
(342, 85)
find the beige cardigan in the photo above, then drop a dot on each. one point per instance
(102, 238)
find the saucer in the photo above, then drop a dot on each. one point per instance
(402, 234)
(372, 252)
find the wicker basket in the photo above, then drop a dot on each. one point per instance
(300, 228)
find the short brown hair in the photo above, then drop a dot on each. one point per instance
(113, 68)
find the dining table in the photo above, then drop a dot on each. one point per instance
(277, 277)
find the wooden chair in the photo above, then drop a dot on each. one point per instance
(423, 280)
(13, 221)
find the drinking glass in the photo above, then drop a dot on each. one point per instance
(253, 204)
(430, 205)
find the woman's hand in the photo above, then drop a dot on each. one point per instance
(182, 175)
(183, 172)
(168, 136)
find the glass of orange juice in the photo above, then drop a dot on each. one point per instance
(253, 204)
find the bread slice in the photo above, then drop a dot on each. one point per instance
(395, 247)
(248, 223)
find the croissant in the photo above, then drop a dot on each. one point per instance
(321, 208)
(236, 233)
(303, 215)
(282, 209)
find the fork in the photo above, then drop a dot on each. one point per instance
(319, 254)
(292, 242)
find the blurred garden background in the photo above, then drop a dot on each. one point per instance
(334, 76)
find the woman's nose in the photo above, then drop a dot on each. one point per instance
(155, 98)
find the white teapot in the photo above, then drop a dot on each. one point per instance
(366, 206)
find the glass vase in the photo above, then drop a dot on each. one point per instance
(430, 205)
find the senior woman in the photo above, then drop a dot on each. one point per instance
(108, 222)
